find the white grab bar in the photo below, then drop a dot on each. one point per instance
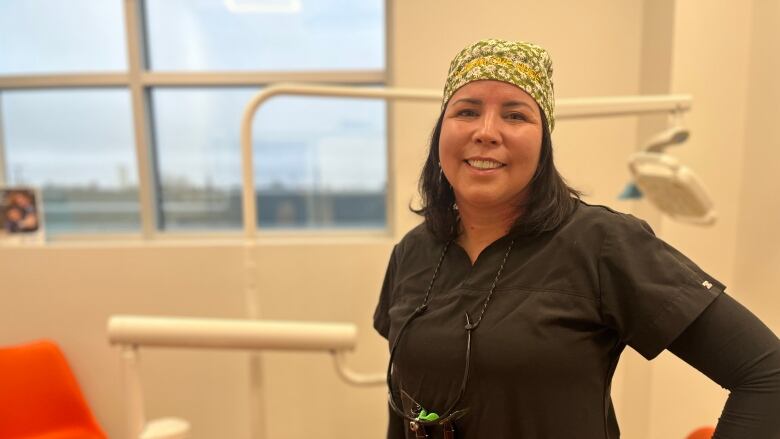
(230, 333)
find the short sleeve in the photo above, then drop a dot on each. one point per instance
(650, 292)
(381, 313)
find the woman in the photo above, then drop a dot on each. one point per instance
(508, 309)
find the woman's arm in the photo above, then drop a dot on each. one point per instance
(736, 350)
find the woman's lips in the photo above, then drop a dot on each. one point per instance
(484, 164)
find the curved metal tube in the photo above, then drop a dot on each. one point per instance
(248, 196)
(352, 377)
(565, 109)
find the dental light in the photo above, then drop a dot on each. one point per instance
(670, 186)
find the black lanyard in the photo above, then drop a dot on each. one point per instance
(418, 421)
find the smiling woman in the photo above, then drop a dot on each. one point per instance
(489, 149)
(492, 111)
(508, 309)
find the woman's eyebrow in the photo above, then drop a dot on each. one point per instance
(472, 101)
(507, 104)
(516, 104)
(475, 101)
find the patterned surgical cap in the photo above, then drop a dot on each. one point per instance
(525, 65)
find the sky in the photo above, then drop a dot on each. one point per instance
(85, 137)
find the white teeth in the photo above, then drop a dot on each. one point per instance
(484, 164)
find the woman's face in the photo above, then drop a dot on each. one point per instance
(490, 142)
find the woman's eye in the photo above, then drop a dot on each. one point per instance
(467, 113)
(516, 116)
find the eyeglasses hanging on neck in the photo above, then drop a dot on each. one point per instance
(419, 419)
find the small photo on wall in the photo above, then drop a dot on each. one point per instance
(21, 217)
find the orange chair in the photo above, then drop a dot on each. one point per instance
(39, 396)
(702, 433)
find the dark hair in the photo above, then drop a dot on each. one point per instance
(550, 203)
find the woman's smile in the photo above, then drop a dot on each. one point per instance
(483, 164)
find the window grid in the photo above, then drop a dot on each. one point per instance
(139, 80)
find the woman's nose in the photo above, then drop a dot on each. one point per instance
(487, 132)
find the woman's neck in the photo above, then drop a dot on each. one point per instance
(479, 227)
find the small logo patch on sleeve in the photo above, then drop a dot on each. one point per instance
(707, 284)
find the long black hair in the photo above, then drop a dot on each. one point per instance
(549, 204)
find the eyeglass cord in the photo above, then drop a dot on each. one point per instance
(469, 326)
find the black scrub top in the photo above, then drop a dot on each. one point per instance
(565, 307)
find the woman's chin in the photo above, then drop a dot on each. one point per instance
(481, 200)
(484, 199)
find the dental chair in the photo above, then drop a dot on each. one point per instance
(40, 397)
(702, 433)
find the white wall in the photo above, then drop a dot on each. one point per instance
(714, 150)
(756, 274)
(66, 292)
(724, 57)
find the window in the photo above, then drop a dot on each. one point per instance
(281, 35)
(77, 146)
(319, 163)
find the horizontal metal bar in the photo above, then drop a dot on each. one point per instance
(620, 105)
(258, 78)
(565, 109)
(64, 80)
(387, 93)
(179, 332)
(191, 79)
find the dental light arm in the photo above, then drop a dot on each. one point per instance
(669, 137)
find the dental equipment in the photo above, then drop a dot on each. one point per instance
(670, 186)
(132, 332)
(669, 137)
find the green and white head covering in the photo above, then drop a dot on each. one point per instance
(525, 65)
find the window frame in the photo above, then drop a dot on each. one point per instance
(140, 81)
